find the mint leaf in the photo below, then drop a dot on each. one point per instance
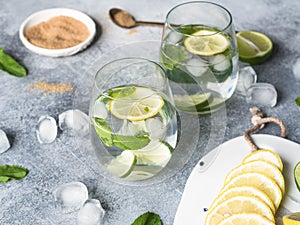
(172, 55)
(103, 130)
(148, 218)
(130, 142)
(125, 142)
(12, 172)
(121, 92)
(298, 101)
(11, 66)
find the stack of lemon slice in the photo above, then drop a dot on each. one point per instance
(251, 193)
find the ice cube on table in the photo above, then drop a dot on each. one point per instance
(91, 213)
(76, 120)
(70, 197)
(263, 94)
(46, 130)
(296, 69)
(4, 143)
(196, 66)
(247, 77)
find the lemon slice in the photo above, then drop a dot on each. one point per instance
(297, 175)
(292, 219)
(254, 47)
(142, 104)
(122, 165)
(259, 181)
(246, 218)
(259, 166)
(266, 155)
(243, 191)
(206, 43)
(235, 205)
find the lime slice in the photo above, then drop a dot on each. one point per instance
(206, 43)
(254, 47)
(143, 172)
(141, 104)
(156, 153)
(214, 105)
(122, 165)
(190, 102)
(297, 175)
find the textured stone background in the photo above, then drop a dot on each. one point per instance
(29, 201)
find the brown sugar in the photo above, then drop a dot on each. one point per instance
(132, 31)
(51, 87)
(57, 33)
(124, 19)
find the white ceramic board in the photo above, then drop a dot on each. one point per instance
(208, 176)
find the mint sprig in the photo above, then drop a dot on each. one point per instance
(148, 218)
(12, 172)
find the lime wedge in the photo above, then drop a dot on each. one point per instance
(206, 43)
(297, 175)
(141, 104)
(190, 102)
(122, 165)
(254, 47)
(156, 153)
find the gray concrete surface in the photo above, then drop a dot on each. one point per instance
(29, 201)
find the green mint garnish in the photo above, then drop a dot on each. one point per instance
(172, 55)
(103, 130)
(298, 101)
(130, 142)
(124, 142)
(121, 92)
(148, 218)
(12, 172)
(11, 66)
(116, 93)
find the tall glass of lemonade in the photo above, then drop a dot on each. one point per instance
(199, 53)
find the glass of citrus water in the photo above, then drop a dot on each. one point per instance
(199, 53)
(133, 118)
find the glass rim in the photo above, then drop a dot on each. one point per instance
(173, 26)
(139, 59)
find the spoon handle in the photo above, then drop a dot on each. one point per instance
(149, 23)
